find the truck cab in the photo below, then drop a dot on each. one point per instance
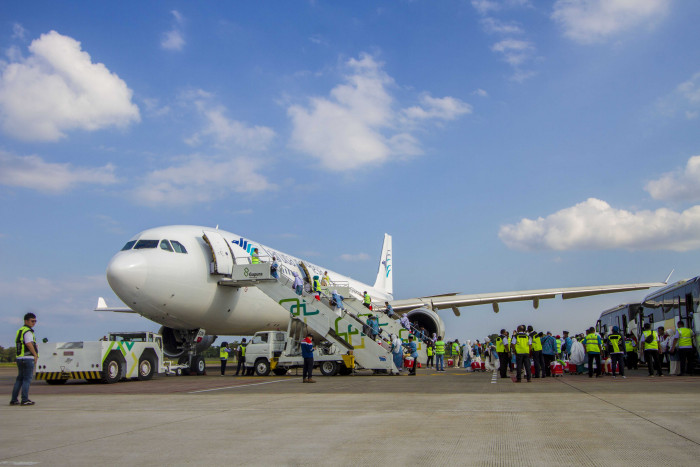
(263, 348)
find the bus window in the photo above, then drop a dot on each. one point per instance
(597, 326)
(624, 324)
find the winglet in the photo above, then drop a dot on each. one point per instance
(385, 275)
(669, 276)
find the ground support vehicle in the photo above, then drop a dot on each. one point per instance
(122, 355)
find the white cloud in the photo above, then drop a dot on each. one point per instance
(690, 89)
(224, 131)
(678, 185)
(58, 88)
(485, 7)
(481, 93)
(174, 39)
(515, 52)
(355, 257)
(496, 26)
(18, 31)
(595, 225)
(590, 21)
(358, 124)
(34, 173)
(201, 179)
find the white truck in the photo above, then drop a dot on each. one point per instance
(123, 355)
(275, 351)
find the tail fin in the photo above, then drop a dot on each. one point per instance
(385, 275)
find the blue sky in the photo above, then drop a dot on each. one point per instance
(506, 145)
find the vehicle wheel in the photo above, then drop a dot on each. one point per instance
(111, 370)
(280, 371)
(328, 368)
(56, 382)
(184, 360)
(262, 367)
(199, 366)
(147, 366)
(178, 372)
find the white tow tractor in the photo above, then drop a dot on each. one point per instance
(275, 351)
(123, 355)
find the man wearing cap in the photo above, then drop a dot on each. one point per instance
(683, 343)
(27, 355)
(616, 348)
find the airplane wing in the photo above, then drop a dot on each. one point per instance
(455, 301)
(102, 306)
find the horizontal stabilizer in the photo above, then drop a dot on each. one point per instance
(102, 306)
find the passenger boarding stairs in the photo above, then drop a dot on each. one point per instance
(344, 329)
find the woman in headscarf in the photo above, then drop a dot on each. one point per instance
(298, 284)
(338, 299)
(397, 352)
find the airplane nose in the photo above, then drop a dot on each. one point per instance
(126, 273)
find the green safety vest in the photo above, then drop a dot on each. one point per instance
(500, 348)
(440, 348)
(686, 337)
(430, 351)
(243, 349)
(223, 353)
(317, 285)
(19, 341)
(615, 342)
(536, 344)
(522, 345)
(455, 349)
(629, 345)
(655, 344)
(592, 343)
(368, 299)
(558, 345)
(254, 259)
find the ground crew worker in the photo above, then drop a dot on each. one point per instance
(523, 346)
(255, 257)
(316, 286)
(502, 347)
(223, 355)
(593, 344)
(617, 350)
(683, 342)
(537, 358)
(558, 346)
(440, 354)
(240, 356)
(307, 352)
(455, 352)
(367, 301)
(650, 346)
(325, 280)
(631, 349)
(27, 354)
(429, 351)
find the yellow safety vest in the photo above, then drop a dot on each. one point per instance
(500, 348)
(615, 342)
(21, 347)
(536, 344)
(592, 343)
(367, 299)
(243, 349)
(522, 344)
(558, 345)
(430, 351)
(317, 285)
(686, 337)
(629, 345)
(455, 349)
(223, 353)
(440, 348)
(655, 344)
(254, 259)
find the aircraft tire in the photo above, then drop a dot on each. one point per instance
(328, 368)
(199, 365)
(262, 367)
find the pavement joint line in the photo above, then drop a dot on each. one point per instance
(494, 377)
(240, 386)
(631, 412)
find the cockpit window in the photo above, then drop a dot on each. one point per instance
(129, 245)
(141, 244)
(165, 245)
(177, 246)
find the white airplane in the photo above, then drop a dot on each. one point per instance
(170, 275)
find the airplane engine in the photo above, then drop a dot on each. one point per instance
(427, 319)
(175, 341)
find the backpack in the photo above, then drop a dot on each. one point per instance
(650, 338)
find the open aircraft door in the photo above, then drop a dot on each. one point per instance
(221, 251)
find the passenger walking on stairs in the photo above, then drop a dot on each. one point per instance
(298, 284)
(307, 351)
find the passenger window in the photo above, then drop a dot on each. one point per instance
(178, 247)
(129, 245)
(165, 245)
(141, 244)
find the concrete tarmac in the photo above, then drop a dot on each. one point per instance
(451, 418)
